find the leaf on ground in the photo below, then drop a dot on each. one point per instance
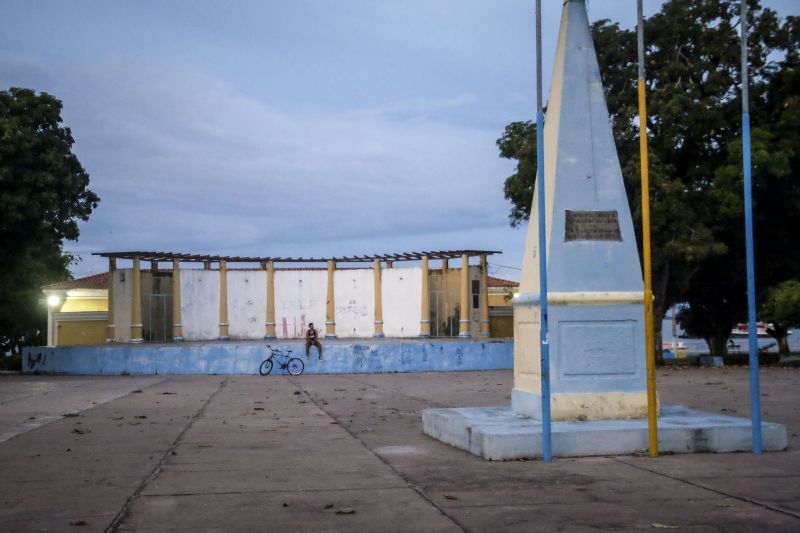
(141, 416)
(346, 510)
(285, 504)
(663, 526)
(136, 391)
(296, 392)
(169, 392)
(450, 497)
(78, 523)
(329, 506)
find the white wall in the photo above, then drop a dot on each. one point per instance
(402, 299)
(300, 297)
(123, 291)
(354, 300)
(247, 303)
(200, 303)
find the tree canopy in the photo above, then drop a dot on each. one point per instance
(695, 151)
(43, 194)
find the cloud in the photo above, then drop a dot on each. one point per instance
(184, 162)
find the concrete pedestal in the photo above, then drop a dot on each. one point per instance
(496, 433)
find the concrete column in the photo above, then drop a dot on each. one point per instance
(136, 303)
(153, 266)
(207, 265)
(112, 272)
(484, 298)
(330, 309)
(425, 311)
(389, 263)
(376, 270)
(223, 301)
(463, 322)
(445, 266)
(177, 321)
(270, 326)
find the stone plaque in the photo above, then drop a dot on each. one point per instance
(591, 226)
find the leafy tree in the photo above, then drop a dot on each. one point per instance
(694, 117)
(782, 308)
(43, 194)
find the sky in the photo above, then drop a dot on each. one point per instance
(302, 128)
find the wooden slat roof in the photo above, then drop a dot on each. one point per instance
(404, 256)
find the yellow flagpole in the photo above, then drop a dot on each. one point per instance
(652, 400)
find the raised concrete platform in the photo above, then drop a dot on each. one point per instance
(340, 356)
(496, 433)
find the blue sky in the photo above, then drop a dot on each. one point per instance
(291, 128)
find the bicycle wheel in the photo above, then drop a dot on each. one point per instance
(295, 366)
(266, 367)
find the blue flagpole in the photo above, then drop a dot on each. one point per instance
(547, 451)
(755, 387)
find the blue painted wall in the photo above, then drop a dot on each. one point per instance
(245, 358)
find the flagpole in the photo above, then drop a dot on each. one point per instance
(652, 401)
(755, 392)
(547, 452)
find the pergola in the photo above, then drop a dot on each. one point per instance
(268, 263)
(203, 258)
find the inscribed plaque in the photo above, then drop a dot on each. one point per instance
(591, 226)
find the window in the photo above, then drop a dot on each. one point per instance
(476, 293)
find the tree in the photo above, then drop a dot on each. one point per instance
(692, 49)
(43, 194)
(782, 308)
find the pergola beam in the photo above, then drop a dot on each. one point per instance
(202, 258)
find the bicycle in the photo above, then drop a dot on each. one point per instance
(293, 365)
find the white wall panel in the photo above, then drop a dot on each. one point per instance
(402, 299)
(200, 304)
(300, 297)
(354, 298)
(247, 303)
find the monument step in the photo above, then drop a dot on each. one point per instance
(496, 433)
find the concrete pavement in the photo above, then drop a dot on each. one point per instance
(346, 453)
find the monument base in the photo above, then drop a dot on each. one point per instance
(496, 433)
(577, 406)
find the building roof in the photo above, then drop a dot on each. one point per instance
(492, 281)
(95, 281)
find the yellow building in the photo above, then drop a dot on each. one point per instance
(77, 311)
(501, 315)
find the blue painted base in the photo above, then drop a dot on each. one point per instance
(244, 357)
(496, 433)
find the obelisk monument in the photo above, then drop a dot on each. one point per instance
(595, 288)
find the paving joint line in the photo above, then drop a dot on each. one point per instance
(712, 489)
(56, 418)
(413, 486)
(275, 491)
(120, 516)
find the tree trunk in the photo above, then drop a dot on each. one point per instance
(718, 342)
(781, 335)
(659, 311)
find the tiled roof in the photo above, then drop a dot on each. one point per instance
(96, 281)
(500, 282)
